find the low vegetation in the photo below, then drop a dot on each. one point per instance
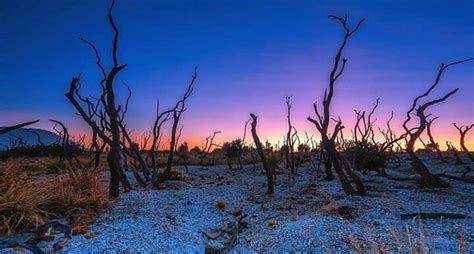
(27, 202)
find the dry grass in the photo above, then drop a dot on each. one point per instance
(27, 202)
(272, 223)
(406, 241)
(37, 166)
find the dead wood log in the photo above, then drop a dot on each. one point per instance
(462, 178)
(232, 232)
(30, 238)
(433, 216)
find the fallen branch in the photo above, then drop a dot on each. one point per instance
(47, 231)
(233, 232)
(410, 216)
(463, 179)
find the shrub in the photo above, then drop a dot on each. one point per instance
(368, 156)
(39, 151)
(25, 202)
(220, 205)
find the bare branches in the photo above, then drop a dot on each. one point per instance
(14, 127)
(116, 34)
(420, 111)
(323, 120)
(177, 111)
(413, 134)
(463, 130)
(207, 146)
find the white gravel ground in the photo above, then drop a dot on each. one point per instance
(302, 215)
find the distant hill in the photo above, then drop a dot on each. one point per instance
(29, 136)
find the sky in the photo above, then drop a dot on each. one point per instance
(249, 54)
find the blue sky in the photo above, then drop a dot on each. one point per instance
(250, 55)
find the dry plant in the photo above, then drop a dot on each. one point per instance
(25, 202)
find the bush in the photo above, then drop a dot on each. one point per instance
(39, 151)
(25, 202)
(368, 156)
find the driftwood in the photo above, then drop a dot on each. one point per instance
(462, 178)
(30, 238)
(410, 216)
(231, 231)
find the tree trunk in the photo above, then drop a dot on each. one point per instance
(113, 160)
(259, 147)
(427, 179)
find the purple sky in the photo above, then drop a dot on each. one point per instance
(250, 55)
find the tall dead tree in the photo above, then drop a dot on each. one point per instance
(463, 130)
(178, 109)
(160, 120)
(103, 116)
(263, 158)
(413, 134)
(343, 170)
(290, 149)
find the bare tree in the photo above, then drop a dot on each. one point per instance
(364, 125)
(432, 143)
(5, 130)
(258, 145)
(322, 122)
(413, 134)
(70, 156)
(290, 149)
(453, 149)
(104, 115)
(241, 147)
(178, 109)
(463, 130)
(207, 146)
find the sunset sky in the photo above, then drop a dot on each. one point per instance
(250, 55)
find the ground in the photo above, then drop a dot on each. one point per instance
(307, 214)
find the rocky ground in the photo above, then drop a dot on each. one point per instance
(307, 214)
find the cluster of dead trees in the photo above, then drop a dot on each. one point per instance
(110, 137)
(106, 118)
(337, 152)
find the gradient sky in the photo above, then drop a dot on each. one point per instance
(250, 55)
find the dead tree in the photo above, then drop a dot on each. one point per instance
(290, 150)
(5, 130)
(241, 147)
(70, 156)
(160, 120)
(453, 149)
(433, 144)
(178, 109)
(183, 154)
(207, 146)
(259, 146)
(103, 116)
(344, 172)
(413, 134)
(463, 130)
(364, 125)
